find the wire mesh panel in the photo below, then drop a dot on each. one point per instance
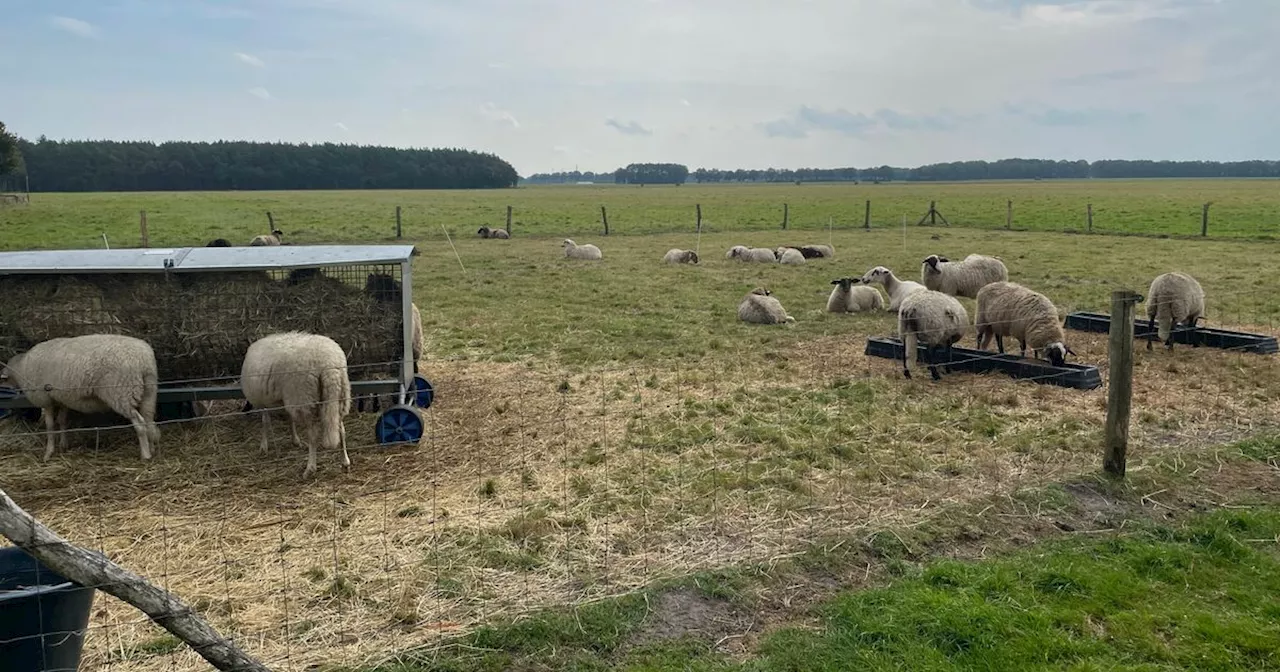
(201, 323)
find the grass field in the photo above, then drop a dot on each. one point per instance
(602, 427)
(1241, 209)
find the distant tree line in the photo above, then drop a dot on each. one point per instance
(103, 165)
(651, 173)
(1004, 169)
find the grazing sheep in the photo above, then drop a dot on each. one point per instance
(961, 278)
(307, 375)
(938, 320)
(678, 256)
(1173, 298)
(898, 289)
(1009, 309)
(788, 255)
(274, 239)
(846, 298)
(218, 242)
(589, 252)
(486, 232)
(94, 373)
(759, 307)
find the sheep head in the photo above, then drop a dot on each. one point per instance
(877, 274)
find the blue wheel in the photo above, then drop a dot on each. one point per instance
(399, 424)
(422, 392)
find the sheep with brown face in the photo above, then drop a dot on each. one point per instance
(678, 256)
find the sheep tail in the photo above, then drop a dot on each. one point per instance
(333, 392)
(147, 406)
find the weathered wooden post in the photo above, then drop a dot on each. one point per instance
(1204, 220)
(604, 217)
(933, 213)
(398, 221)
(1119, 380)
(1008, 214)
(508, 219)
(866, 218)
(784, 216)
(1089, 212)
(142, 228)
(699, 211)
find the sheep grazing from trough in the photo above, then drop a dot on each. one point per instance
(588, 252)
(761, 254)
(760, 307)
(788, 255)
(486, 232)
(385, 288)
(850, 296)
(678, 256)
(961, 278)
(897, 289)
(1174, 298)
(1009, 309)
(218, 242)
(95, 373)
(273, 239)
(307, 375)
(935, 319)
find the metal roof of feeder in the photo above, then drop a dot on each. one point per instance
(180, 259)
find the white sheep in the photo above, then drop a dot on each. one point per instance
(935, 319)
(897, 289)
(788, 255)
(815, 251)
(1174, 298)
(274, 239)
(589, 252)
(760, 307)
(760, 254)
(486, 232)
(961, 278)
(1010, 309)
(848, 298)
(94, 373)
(676, 255)
(307, 375)
(737, 252)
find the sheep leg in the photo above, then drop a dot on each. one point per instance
(1151, 330)
(1022, 345)
(63, 415)
(1000, 343)
(266, 429)
(50, 424)
(930, 354)
(342, 438)
(140, 426)
(293, 428)
(313, 438)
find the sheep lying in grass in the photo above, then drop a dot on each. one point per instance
(307, 375)
(1009, 309)
(935, 319)
(850, 296)
(760, 254)
(486, 232)
(1174, 298)
(897, 289)
(589, 252)
(961, 278)
(814, 251)
(788, 255)
(760, 307)
(95, 373)
(676, 255)
(274, 239)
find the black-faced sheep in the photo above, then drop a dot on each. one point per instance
(760, 307)
(814, 251)
(588, 252)
(1009, 309)
(307, 375)
(95, 373)
(935, 319)
(486, 232)
(897, 289)
(274, 239)
(1174, 298)
(676, 255)
(961, 278)
(850, 296)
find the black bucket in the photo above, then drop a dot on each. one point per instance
(43, 616)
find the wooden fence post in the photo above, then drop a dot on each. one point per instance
(398, 221)
(1008, 215)
(508, 220)
(699, 207)
(1204, 220)
(271, 222)
(1119, 380)
(142, 228)
(866, 218)
(604, 217)
(933, 213)
(785, 215)
(1089, 211)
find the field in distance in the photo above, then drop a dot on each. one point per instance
(1240, 209)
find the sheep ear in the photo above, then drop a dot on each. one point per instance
(837, 281)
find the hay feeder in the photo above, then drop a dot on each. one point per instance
(201, 307)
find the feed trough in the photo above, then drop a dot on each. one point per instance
(1078, 376)
(1242, 341)
(201, 307)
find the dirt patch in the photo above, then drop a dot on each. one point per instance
(684, 612)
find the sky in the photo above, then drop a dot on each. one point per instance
(554, 85)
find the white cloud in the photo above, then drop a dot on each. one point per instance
(259, 92)
(494, 113)
(249, 59)
(341, 127)
(74, 26)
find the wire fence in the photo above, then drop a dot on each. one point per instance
(535, 486)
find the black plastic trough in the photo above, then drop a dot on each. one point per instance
(43, 616)
(1213, 338)
(1077, 376)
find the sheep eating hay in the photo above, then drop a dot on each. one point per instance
(938, 320)
(94, 373)
(1009, 309)
(1173, 298)
(961, 278)
(846, 298)
(307, 374)
(676, 255)
(760, 307)
(589, 252)
(898, 290)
